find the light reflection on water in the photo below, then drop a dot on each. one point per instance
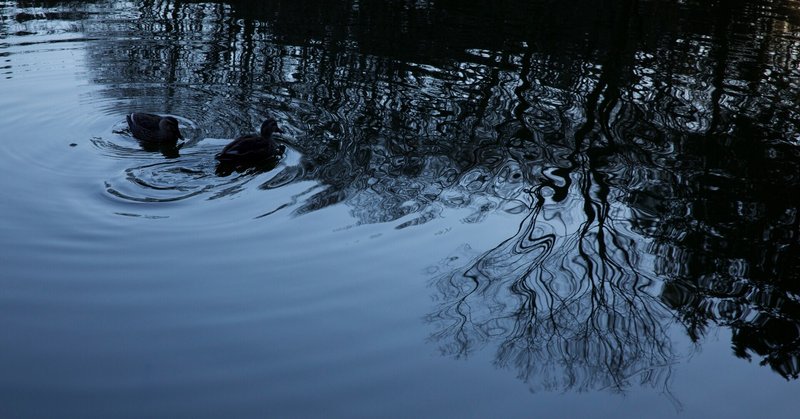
(586, 194)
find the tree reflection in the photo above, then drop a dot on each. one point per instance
(565, 311)
(565, 299)
(704, 173)
(649, 150)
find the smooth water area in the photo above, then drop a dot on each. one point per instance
(508, 209)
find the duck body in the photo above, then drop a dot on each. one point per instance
(253, 149)
(154, 128)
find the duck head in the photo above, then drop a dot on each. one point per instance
(268, 127)
(169, 125)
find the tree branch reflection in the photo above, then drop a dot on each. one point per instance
(565, 312)
(650, 156)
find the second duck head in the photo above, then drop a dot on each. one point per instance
(169, 126)
(268, 127)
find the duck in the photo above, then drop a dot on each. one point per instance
(253, 149)
(154, 128)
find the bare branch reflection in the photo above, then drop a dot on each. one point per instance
(565, 311)
(650, 157)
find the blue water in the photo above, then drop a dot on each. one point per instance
(582, 215)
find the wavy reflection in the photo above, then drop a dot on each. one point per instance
(649, 150)
(726, 243)
(565, 312)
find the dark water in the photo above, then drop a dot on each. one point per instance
(486, 209)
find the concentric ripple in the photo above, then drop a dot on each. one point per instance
(156, 178)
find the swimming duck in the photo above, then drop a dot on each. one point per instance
(253, 149)
(154, 128)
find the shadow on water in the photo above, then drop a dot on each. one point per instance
(649, 149)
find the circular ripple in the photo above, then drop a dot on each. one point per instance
(190, 175)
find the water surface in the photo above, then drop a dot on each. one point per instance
(524, 208)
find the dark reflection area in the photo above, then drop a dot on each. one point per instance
(726, 240)
(225, 168)
(649, 150)
(168, 150)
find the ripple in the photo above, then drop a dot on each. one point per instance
(189, 172)
(162, 182)
(121, 145)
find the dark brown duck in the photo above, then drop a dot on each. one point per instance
(253, 149)
(154, 128)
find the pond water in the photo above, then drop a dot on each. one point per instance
(485, 209)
